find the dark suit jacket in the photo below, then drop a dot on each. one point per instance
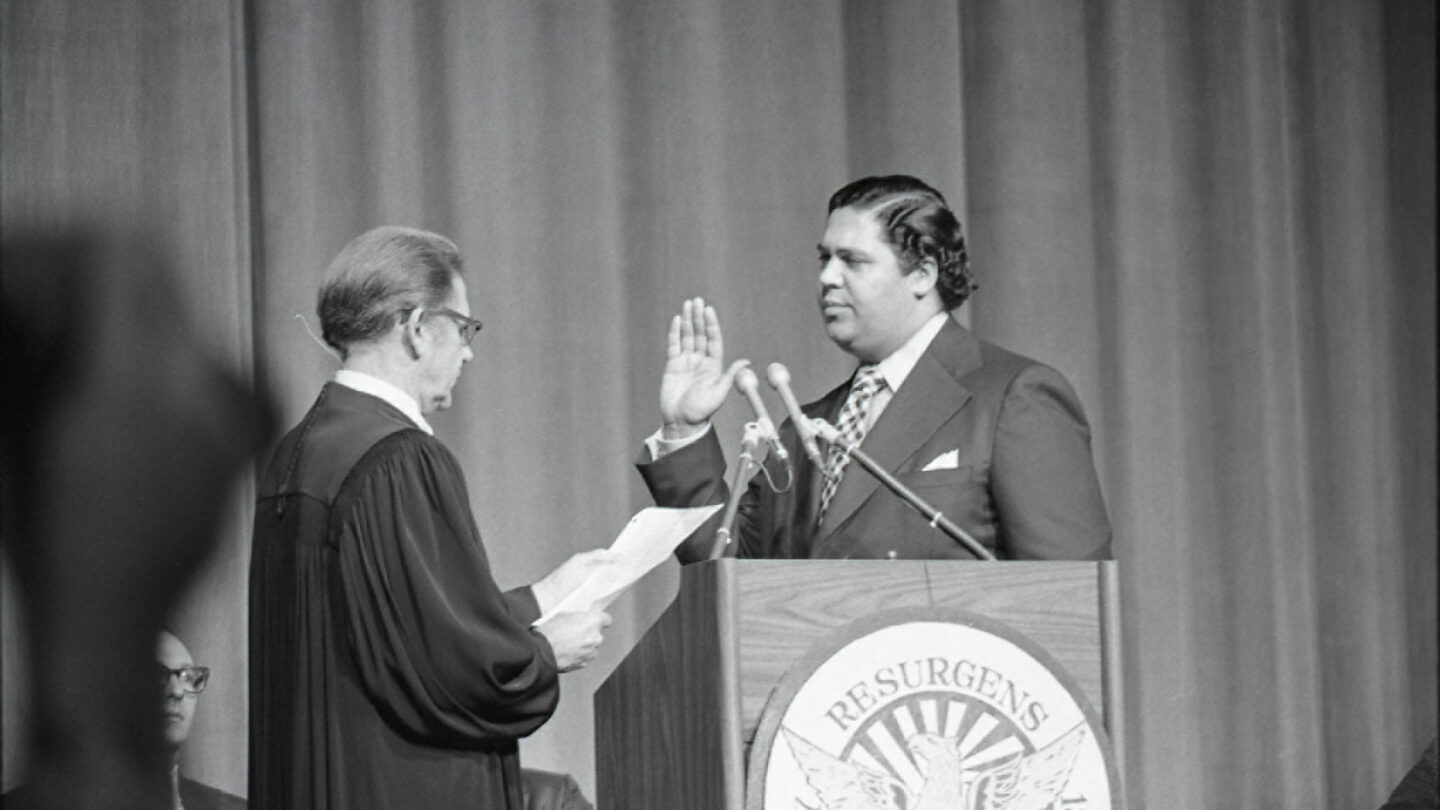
(199, 796)
(193, 795)
(1024, 484)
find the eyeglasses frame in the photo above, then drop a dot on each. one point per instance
(469, 327)
(201, 680)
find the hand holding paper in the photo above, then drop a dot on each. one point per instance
(646, 541)
(574, 637)
(560, 582)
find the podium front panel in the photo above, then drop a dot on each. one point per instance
(784, 607)
(675, 720)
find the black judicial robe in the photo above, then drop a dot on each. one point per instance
(387, 669)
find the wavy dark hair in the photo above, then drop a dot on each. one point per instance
(918, 224)
(380, 276)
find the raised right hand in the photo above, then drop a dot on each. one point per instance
(696, 381)
(575, 637)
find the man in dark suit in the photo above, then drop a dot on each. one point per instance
(996, 441)
(183, 683)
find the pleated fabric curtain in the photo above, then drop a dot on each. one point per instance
(1216, 218)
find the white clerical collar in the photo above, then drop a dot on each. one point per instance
(901, 362)
(376, 387)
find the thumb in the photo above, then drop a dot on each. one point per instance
(728, 378)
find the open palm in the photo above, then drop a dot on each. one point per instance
(696, 381)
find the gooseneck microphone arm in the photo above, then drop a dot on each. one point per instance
(749, 442)
(749, 385)
(937, 520)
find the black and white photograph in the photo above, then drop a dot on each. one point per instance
(718, 405)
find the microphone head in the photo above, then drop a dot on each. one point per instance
(778, 375)
(779, 378)
(746, 381)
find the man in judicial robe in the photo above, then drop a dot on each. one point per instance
(387, 669)
(995, 441)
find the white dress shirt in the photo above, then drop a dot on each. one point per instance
(376, 387)
(900, 363)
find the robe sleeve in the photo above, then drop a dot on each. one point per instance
(524, 607)
(440, 650)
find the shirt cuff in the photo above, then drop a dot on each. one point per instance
(659, 446)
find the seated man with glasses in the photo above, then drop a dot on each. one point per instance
(183, 682)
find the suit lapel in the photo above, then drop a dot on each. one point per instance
(929, 397)
(827, 408)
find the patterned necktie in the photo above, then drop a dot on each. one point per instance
(852, 426)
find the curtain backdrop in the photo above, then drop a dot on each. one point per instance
(1216, 218)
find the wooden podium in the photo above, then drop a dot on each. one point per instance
(674, 722)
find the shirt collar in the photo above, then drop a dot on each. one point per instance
(376, 387)
(901, 362)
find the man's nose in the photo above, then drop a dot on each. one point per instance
(830, 273)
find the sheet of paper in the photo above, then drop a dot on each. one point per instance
(646, 541)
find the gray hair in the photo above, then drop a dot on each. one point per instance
(379, 277)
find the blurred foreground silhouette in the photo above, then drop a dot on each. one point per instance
(121, 439)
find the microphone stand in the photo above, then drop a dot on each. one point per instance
(743, 469)
(937, 520)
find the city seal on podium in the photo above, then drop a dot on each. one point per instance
(929, 710)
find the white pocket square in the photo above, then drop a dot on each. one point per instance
(944, 461)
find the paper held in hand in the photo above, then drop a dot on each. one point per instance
(646, 541)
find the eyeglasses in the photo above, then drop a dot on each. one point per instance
(468, 325)
(192, 679)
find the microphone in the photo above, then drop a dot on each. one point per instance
(749, 385)
(937, 520)
(743, 467)
(779, 378)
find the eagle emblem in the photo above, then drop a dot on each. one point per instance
(929, 713)
(1018, 781)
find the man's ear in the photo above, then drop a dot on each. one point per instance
(924, 277)
(410, 333)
